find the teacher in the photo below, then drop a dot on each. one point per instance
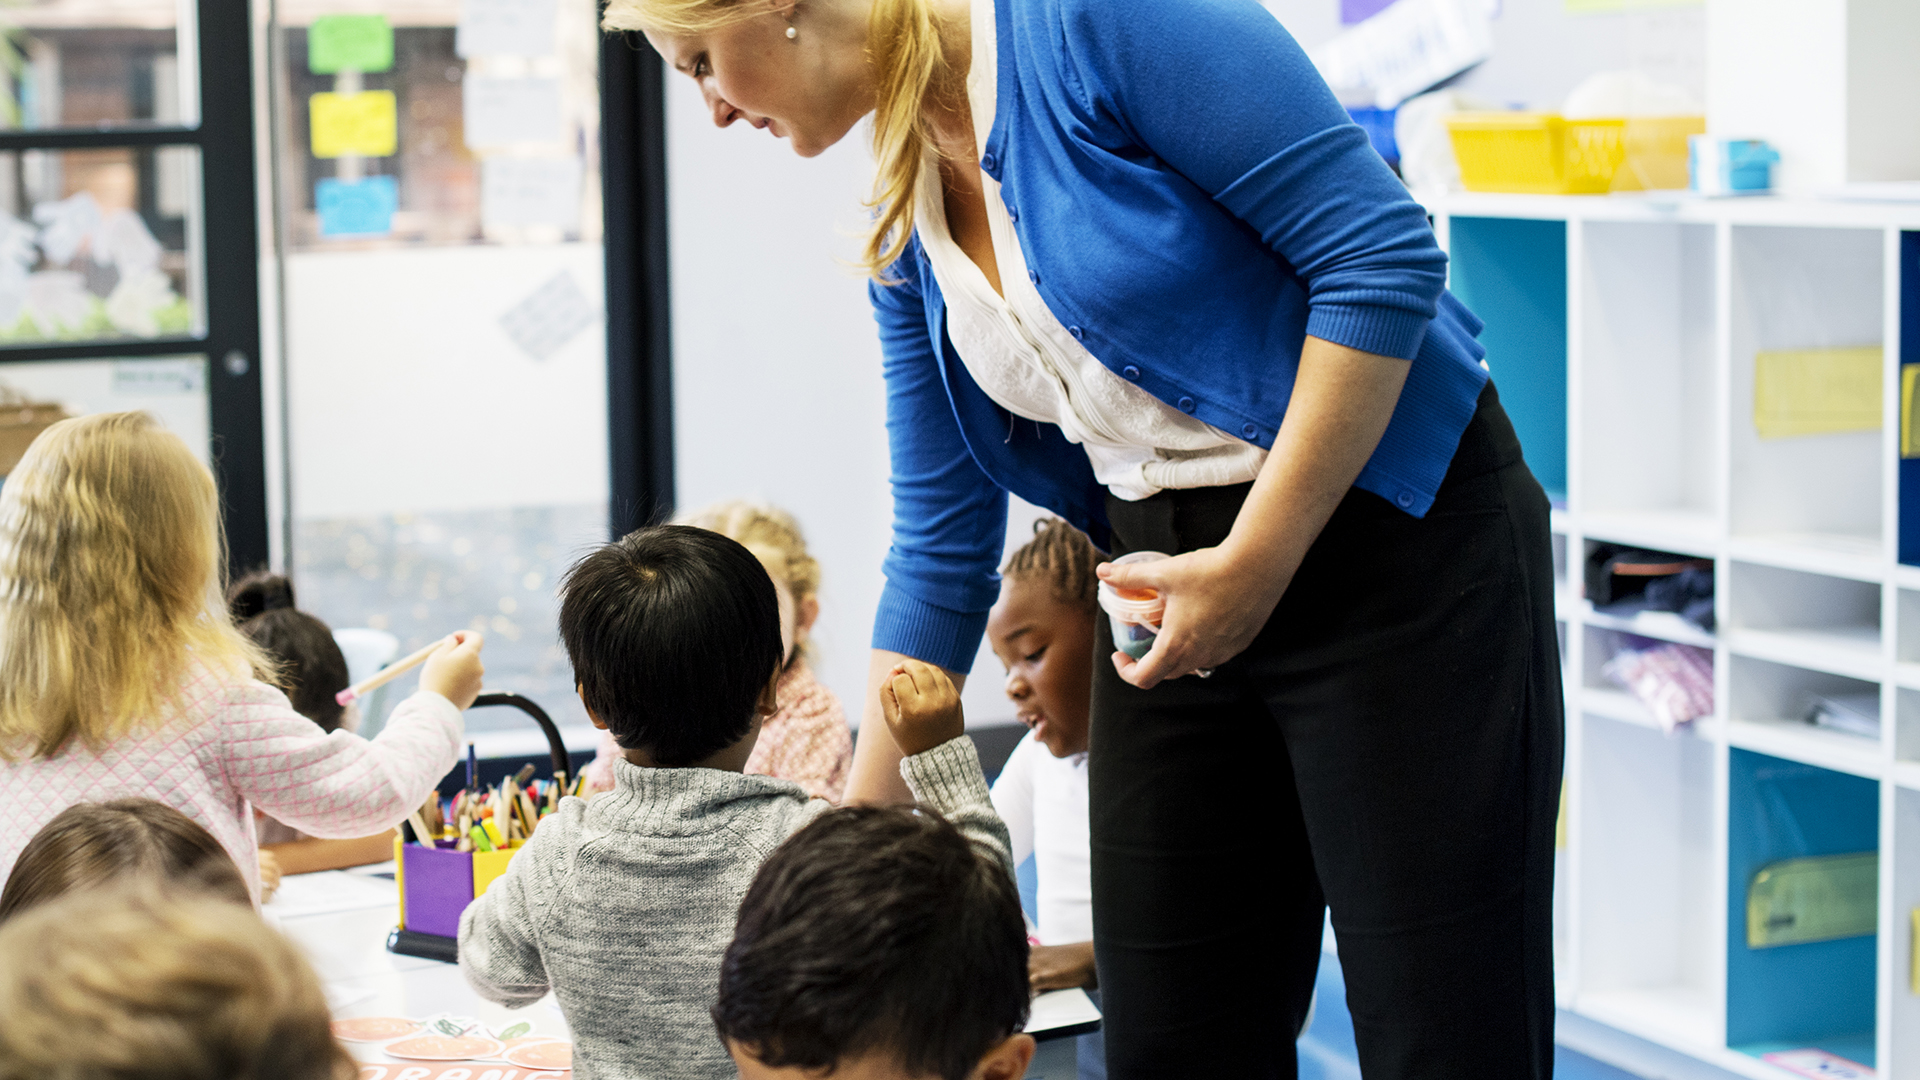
(1133, 263)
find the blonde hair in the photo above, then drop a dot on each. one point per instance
(770, 533)
(146, 984)
(111, 558)
(905, 41)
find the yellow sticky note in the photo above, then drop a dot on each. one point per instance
(1909, 435)
(366, 123)
(1816, 391)
(1916, 951)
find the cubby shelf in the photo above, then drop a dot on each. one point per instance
(1628, 329)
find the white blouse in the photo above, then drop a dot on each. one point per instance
(1019, 353)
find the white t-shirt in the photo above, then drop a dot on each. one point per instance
(1018, 352)
(1043, 800)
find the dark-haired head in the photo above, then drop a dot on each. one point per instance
(91, 845)
(878, 935)
(674, 635)
(312, 667)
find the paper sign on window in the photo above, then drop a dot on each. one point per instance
(366, 123)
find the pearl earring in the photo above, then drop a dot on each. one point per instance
(792, 32)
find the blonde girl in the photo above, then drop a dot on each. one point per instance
(1134, 263)
(806, 740)
(122, 676)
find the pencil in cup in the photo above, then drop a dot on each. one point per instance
(388, 674)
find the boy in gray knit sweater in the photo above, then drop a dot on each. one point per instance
(623, 905)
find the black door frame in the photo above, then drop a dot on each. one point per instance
(231, 249)
(633, 145)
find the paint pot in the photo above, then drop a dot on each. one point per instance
(1133, 613)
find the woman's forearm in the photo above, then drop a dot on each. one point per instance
(1339, 409)
(874, 778)
(1218, 598)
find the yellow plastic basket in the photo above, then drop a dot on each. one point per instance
(1547, 154)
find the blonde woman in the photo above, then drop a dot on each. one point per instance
(122, 676)
(1133, 263)
(806, 740)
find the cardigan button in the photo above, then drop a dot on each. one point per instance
(1076, 332)
(1033, 276)
(1186, 404)
(1013, 214)
(1131, 372)
(989, 162)
(1405, 499)
(1249, 430)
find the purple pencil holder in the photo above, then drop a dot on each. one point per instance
(438, 886)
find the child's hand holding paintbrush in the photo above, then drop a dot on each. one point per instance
(453, 670)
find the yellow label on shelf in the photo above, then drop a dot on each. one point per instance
(366, 123)
(1816, 391)
(1824, 898)
(1909, 439)
(1915, 973)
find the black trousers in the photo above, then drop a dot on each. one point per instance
(1390, 747)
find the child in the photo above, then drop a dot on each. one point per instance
(149, 984)
(806, 740)
(120, 673)
(313, 671)
(622, 905)
(1042, 629)
(94, 845)
(877, 943)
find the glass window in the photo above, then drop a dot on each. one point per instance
(84, 63)
(35, 395)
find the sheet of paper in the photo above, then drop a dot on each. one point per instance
(159, 377)
(505, 28)
(327, 892)
(361, 207)
(338, 43)
(501, 112)
(1059, 1009)
(518, 192)
(367, 123)
(555, 314)
(1409, 47)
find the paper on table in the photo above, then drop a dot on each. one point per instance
(551, 317)
(499, 112)
(1057, 1009)
(349, 43)
(366, 123)
(505, 28)
(328, 891)
(530, 191)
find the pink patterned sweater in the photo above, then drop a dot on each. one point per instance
(244, 747)
(806, 740)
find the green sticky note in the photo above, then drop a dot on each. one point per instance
(349, 43)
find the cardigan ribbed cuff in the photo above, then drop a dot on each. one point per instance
(946, 777)
(1373, 328)
(908, 625)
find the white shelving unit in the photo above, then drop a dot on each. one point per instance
(1625, 328)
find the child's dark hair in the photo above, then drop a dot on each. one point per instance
(674, 633)
(1062, 558)
(312, 667)
(90, 845)
(876, 930)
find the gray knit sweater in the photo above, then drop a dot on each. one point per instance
(623, 904)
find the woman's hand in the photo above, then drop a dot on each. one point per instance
(1218, 598)
(1215, 606)
(1061, 967)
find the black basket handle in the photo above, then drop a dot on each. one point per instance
(527, 705)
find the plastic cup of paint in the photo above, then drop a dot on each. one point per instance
(1133, 613)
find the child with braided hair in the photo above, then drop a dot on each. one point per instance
(1042, 629)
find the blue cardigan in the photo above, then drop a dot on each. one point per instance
(1192, 202)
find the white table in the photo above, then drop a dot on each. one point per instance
(341, 920)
